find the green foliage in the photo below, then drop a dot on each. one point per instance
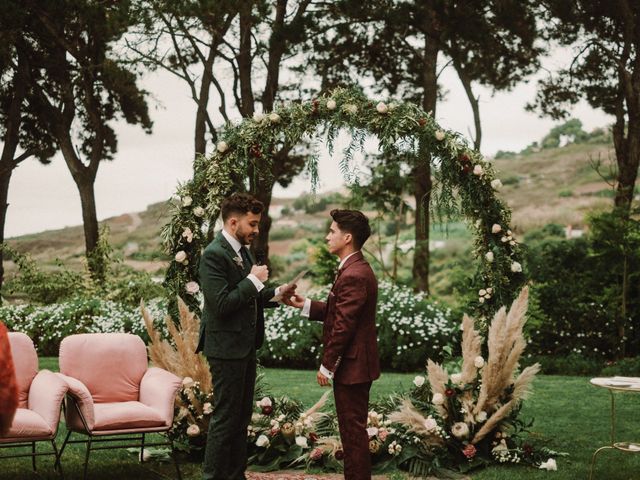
(310, 203)
(40, 286)
(580, 301)
(283, 233)
(99, 259)
(48, 325)
(324, 264)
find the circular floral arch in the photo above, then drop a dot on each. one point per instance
(399, 127)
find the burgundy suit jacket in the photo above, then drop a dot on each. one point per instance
(349, 318)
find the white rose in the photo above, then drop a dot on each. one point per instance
(193, 430)
(430, 424)
(188, 234)
(382, 107)
(456, 377)
(265, 402)
(516, 267)
(274, 117)
(192, 288)
(222, 146)
(438, 399)
(481, 299)
(460, 430)
(477, 170)
(549, 465)
(489, 290)
(199, 212)
(262, 441)
(496, 184)
(478, 362)
(418, 381)
(504, 239)
(439, 135)
(187, 201)
(489, 257)
(302, 442)
(331, 104)
(258, 117)
(482, 292)
(187, 382)
(481, 416)
(495, 228)
(372, 431)
(181, 256)
(207, 408)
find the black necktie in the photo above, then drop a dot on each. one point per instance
(245, 258)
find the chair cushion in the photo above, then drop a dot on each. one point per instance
(110, 365)
(25, 361)
(27, 424)
(8, 384)
(121, 415)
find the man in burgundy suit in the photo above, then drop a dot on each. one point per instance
(350, 356)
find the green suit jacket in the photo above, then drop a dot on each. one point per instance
(232, 320)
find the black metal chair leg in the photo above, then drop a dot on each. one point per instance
(86, 459)
(58, 465)
(33, 455)
(142, 450)
(175, 461)
(64, 444)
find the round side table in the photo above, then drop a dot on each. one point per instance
(616, 384)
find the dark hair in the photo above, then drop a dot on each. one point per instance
(353, 222)
(240, 203)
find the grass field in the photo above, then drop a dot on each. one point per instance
(570, 415)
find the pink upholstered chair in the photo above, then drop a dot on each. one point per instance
(40, 395)
(112, 391)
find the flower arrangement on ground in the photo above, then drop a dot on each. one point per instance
(281, 433)
(470, 418)
(193, 406)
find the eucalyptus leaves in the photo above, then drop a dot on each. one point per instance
(465, 183)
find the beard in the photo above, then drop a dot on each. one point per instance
(245, 237)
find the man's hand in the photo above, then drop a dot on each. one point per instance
(261, 272)
(286, 290)
(296, 301)
(322, 380)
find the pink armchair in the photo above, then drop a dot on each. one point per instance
(40, 395)
(113, 392)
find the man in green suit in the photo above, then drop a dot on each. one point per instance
(231, 330)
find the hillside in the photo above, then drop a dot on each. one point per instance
(557, 185)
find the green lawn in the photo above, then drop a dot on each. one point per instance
(570, 415)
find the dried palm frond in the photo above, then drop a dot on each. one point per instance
(438, 378)
(520, 392)
(506, 344)
(181, 359)
(409, 416)
(471, 348)
(330, 445)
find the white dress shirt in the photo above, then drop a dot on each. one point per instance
(236, 245)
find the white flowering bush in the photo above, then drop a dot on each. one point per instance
(410, 329)
(47, 325)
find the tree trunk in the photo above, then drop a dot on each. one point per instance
(262, 190)
(5, 178)
(422, 172)
(200, 140)
(247, 106)
(473, 101)
(628, 161)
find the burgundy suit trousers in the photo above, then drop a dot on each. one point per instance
(352, 406)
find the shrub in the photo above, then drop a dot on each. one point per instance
(282, 233)
(48, 325)
(411, 328)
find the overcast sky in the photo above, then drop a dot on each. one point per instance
(147, 168)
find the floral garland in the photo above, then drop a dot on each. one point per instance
(404, 126)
